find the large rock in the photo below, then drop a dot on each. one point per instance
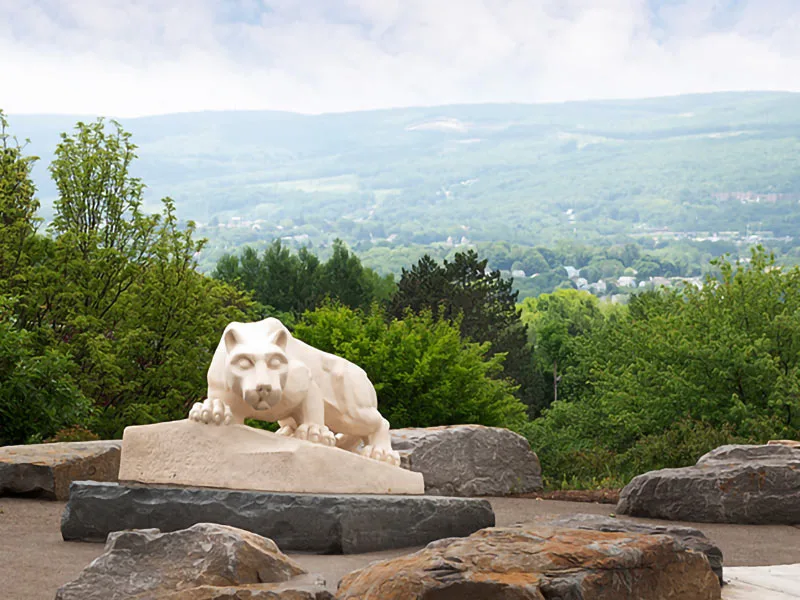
(206, 561)
(732, 484)
(692, 538)
(469, 460)
(47, 470)
(540, 562)
(324, 524)
(238, 457)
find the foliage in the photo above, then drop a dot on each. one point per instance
(112, 297)
(38, 396)
(481, 301)
(76, 433)
(558, 324)
(18, 207)
(424, 373)
(290, 283)
(679, 373)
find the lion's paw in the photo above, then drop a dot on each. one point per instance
(381, 454)
(212, 411)
(318, 434)
(286, 430)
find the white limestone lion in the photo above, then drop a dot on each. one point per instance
(260, 371)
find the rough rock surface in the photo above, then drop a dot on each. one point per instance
(732, 484)
(692, 538)
(469, 460)
(325, 524)
(537, 563)
(47, 470)
(206, 561)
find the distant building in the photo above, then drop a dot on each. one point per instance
(572, 272)
(599, 287)
(518, 273)
(626, 281)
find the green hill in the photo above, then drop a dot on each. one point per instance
(386, 181)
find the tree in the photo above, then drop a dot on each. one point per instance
(464, 290)
(113, 298)
(556, 323)
(342, 278)
(18, 206)
(287, 283)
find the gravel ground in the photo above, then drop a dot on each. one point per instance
(35, 561)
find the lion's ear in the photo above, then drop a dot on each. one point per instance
(231, 339)
(279, 338)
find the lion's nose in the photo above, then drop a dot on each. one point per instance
(265, 387)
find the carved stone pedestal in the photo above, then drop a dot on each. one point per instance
(238, 457)
(319, 523)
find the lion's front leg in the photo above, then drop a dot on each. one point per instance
(310, 418)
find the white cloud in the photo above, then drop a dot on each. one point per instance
(136, 57)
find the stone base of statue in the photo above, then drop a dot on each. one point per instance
(304, 496)
(239, 457)
(318, 523)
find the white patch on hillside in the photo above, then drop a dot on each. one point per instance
(444, 124)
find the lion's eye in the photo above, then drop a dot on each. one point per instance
(275, 363)
(244, 363)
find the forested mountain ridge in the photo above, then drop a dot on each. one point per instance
(396, 183)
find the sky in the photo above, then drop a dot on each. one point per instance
(127, 58)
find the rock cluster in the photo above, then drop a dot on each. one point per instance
(47, 470)
(469, 460)
(732, 484)
(540, 563)
(205, 562)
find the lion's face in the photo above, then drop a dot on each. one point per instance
(259, 376)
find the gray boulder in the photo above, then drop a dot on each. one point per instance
(732, 484)
(47, 470)
(205, 562)
(321, 523)
(691, 538)
(469, 460)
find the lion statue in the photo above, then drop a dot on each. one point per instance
(260, 371)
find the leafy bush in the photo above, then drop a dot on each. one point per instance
(423, 372)
(38, 396)
(75, 433)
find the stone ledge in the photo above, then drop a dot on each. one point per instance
(47, 470)
(322, 524)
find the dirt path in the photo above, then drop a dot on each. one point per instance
(35, 561)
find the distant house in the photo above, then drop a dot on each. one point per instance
(599, 287)
(581, 283)
(626, 281)
(660, 281)
(572, 272)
